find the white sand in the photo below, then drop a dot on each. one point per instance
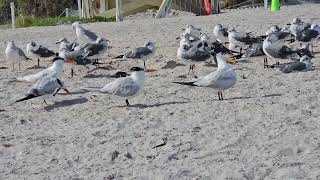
(266, 128)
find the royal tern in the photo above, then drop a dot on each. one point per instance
(15, 54)
(37, 51)
(221, 79)
(56, 69)
(126, 87)
(48, 85)
(83, 34)
(142, 53)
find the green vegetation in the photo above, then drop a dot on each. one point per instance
(28, 21)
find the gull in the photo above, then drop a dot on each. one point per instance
(309, 36)
(240, 39)
(48, 85)
(220, 33)
(297, 26)
(15, 54)
(195, 53)
(142, 53)
(37, 51)
(97, 49)
(221, 79)
(193, 32)
(83, 34)
(56, 69)
(64, 43)
(304, 64)
(275, 48)
(125, 87)
(218, 47)
(75, 57)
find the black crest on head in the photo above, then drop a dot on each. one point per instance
(57, 59)
(136, 69)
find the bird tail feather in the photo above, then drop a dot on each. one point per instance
(186, 83)
(30, 96)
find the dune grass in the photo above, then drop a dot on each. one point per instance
(28, 21)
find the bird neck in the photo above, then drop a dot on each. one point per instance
(138, 77)
(58, 66)
(221, 63)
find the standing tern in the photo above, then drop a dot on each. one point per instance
(15, 54)
(56, 69)
(126, 87)
(142, 53)
(221, 79)
(37, 51)
(48, 85)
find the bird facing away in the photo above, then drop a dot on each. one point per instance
(48, 85)
(15, 54)
(83, 34)
(221, 79)
(37, 51)
(125, 87)
(56, 69)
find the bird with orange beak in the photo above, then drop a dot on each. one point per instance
(125, 87)
(48, 85)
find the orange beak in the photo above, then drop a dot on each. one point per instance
(67, 91)
(151, 70)
(70, 61)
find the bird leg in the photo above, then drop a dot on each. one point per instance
(192, 66)
(144, 64)
(127, 102)
(38, 62)
(12, 66)
(265, 63)
(45, 102)
(72, 72)
(19, 66)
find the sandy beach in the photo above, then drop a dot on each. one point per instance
(266, 128)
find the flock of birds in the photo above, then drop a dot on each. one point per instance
(225, 48)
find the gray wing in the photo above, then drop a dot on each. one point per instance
(225, 32)
(91, 35)
(46, 85)
(279, 50)
(295, 66)
(93, 49)
(245, 38)
(20, 52)
(124, 87)
(308, 35)
(255, 50)
(138, 53)
(196, 54)
(43, 52)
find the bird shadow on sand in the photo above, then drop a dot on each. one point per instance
(211, 65)
(92, 76)
(171, 65)
(37, 67)
(143, 106)
(66, 103)
(272, 95)
(4, 68)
